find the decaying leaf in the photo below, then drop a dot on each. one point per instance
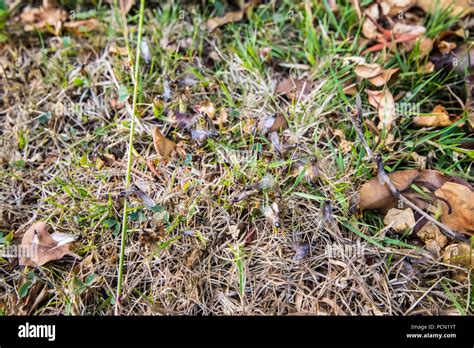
(163, 145)
(438, 117)
(459, 255)
(400, 220)
(294, 88)
(44, 246)
(434, 240)
(384, 103)
(461, 199)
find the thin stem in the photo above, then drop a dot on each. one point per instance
(130, 157)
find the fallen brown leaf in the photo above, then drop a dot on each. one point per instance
(234, 16)
(461, 199)
(373, 195)
(400, 220)
(433, 238)
(42, 18)
(384, 103)
(163, 146)
(43, 246)
(293, 88)
(273, 124)
(445, 47)
(458, 7)
(438, 117)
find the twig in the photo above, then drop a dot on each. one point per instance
(129, 163)
(385, 179)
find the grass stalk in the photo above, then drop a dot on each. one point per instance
(130, 157)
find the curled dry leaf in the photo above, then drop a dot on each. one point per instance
(229, 17)
(294, 88)
(44, 246)
(374, 73)
(433, 238)
(367, 71)
(400, 220)
(163, 146)
(445, 47)
(384, 103)
(461, 199)
(459, 255)
(438, 117)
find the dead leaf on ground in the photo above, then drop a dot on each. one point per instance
(438, 117)
(461, 199)
(374, 73)
(43, 17)
(400, 220)
(45, 246)
(229, 17)
(459, 255)
(294, 88)
(207, 108)
(163, 146)
(434, 240)
(445, 47)
(373, 195)
(273, 124)
(384, 103)
(458, 7)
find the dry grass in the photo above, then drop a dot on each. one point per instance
(217, 268)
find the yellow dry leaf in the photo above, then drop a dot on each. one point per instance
(438, 117)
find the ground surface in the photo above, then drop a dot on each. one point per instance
(64, 128)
